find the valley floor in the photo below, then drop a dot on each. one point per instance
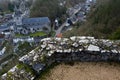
(84, 71)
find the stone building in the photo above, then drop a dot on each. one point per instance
(21, 23)
(24, 24)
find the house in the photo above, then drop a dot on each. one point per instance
(4, 29)
(27, 39)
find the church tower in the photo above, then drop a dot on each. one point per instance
(22, 6)
(20, 12)
(17, 16)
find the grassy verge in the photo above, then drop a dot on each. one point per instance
(41, 33)
(26, 67)
(38, 34)
(19, 35)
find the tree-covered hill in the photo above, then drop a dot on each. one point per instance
(103, 21)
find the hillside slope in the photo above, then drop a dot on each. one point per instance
(103, 21)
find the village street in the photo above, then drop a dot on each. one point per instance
(81, 9)
(75, 10)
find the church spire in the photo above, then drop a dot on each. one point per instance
(22, 6)
(15, 8)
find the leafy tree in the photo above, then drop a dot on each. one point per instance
(116, 34)
(11, 7)
(49, 8)
(4, 5)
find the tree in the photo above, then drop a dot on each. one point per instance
(11, 7)
(4, 5)
(49, 8)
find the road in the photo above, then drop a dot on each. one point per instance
(60, 28)
(81, 9)
(65, 23)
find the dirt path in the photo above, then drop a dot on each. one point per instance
(85, 71)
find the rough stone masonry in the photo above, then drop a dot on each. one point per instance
(76, 48)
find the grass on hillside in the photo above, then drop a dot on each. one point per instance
(38, 34)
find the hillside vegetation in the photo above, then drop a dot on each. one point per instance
(49, 8)
(103, 21)
(6, 6)
(52, 8)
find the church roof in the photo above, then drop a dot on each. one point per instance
(17, 13)
(36, 21)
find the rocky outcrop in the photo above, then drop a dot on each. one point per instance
(76, 48)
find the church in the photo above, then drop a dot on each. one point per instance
(21, 23)
(25, 25)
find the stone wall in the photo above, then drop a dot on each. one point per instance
(86, 56)
(76, 48)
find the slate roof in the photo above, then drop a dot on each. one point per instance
(3, 27)
(17, 13)
(35, 21)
